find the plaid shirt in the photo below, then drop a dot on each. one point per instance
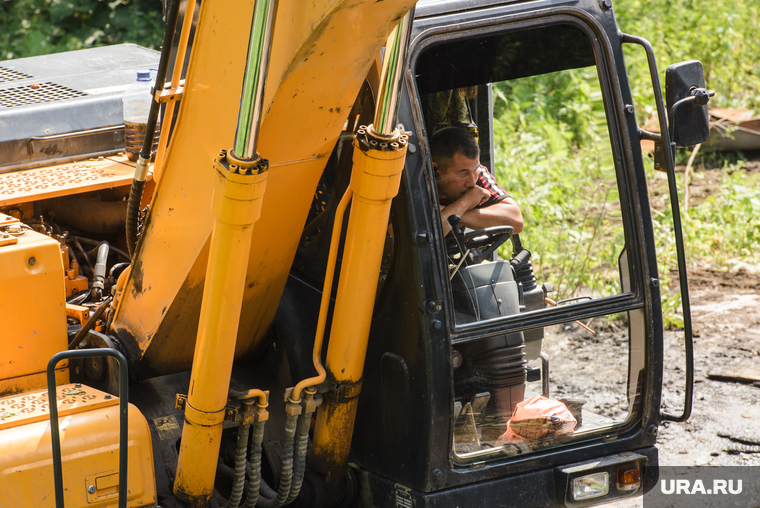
(488, 182)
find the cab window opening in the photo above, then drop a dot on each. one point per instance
(534, 107)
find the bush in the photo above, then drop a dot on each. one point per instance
(548, 134)
(38, 27)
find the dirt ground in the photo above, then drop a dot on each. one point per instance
(724, 428)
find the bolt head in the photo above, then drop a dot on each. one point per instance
(91, 489)
(456, 359)
(32, 261)
(438, 474)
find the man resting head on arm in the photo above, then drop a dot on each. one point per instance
(465, 187)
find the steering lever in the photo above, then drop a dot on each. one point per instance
(454, 221)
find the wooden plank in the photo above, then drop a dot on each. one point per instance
(741, 375)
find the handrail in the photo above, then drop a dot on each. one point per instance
(678, 231)
(71, 135)
(55, 437)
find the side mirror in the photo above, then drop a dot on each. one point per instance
(690, 121)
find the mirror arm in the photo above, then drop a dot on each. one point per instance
(678, 231)
(698, 97)
(650, 136)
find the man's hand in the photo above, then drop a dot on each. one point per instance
(503, 213)
(468, 201)
(474, 197)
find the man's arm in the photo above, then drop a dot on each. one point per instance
(504, 213)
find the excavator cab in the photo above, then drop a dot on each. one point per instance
(466, 327)
(502, 371)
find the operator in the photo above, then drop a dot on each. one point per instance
(466, 187)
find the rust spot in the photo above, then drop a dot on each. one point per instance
(137, 279)
(51, 150)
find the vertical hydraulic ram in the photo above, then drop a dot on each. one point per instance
(239, 184)
(379, 153)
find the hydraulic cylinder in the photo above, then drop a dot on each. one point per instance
(238, 192)
(378, 163)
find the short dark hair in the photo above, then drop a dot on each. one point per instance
(452, 140)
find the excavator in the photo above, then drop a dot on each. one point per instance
(258, 305)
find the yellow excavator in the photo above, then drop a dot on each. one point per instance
(258, 305)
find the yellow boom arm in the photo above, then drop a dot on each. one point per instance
(321, 53)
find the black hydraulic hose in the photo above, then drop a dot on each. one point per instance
(302, 444)
(133, 214)
(99, 275)
(241, 451)
(141, 171)
(88, 241)
(82, 333)
(299, 467)
(254, 471)
(116, 270)
(87, 263)
(266, 491)
(286, 473)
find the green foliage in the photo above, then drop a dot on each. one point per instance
(37, 27)
(722, 35)
(552, 151)
(552, 148)
(723, 231)
(720, 232)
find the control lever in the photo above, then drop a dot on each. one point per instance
(454, 221)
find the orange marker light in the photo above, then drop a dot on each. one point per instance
(628, 478)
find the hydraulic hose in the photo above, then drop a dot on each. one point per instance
(141, 171)
(82, 333)
(302, 443)
(254, 471)
(99, 276)
(240, 455)
(286, 473)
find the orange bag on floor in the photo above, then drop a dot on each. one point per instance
(536, 418)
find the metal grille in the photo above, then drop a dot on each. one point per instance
(35, 94)
(10, 75)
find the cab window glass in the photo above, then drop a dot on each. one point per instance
(534, 104)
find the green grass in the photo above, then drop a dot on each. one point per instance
(552, 153)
